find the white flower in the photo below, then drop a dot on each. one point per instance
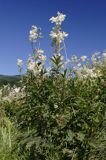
(87, 72)
(41, 57)
(19, 62)
(96, 58)
(79, 64)
(34, 67)
(83, 58)
(59, 36)
(34, 34)
(74, 59)
(34, 27)
(31, 65)
(104, 57)
(17, 90)
(104, 54)
(55, 106)
(59, 19)
(39, 51)
(53, 35)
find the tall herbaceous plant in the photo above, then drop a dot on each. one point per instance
(61, 113)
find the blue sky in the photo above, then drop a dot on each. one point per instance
(85, 23)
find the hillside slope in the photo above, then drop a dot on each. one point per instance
(12, 80)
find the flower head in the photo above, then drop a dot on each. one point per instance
(59, 36)
(39, 51)
(104, 55)
(59, 19)
(74, 59)
(31, 65)
(34, 34)
(19, 63)
(83, 58)
(41, 57)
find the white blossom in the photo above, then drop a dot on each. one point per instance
(59, 36)
(59, 19)
(34, 67)
(17, 89)
(39, 51)
(83, 58)
(19, 62)
(55, 106)
(95, 57)
(104, 57)
(74, 59)
(53, 35)
(31, 65)
(34, 34)
(41, 57)
(79, 64)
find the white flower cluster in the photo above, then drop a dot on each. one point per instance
(88, 72)
(20, 63)
(8, 93)
(34, 34)
(59, 19)
(39, 51)
(34, 67)
(58, 36)
(83, 58)
(39, 55)
(74, 59)
(84, 72)
(99, 58)
(104, 54)
(95, 58)
(104, 58)
(36, 63)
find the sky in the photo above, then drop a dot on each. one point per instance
(85, 23)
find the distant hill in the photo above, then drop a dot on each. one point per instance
(12, 80)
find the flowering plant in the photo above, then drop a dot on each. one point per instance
(60, 112)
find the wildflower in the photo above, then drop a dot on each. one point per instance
(79, 64)
(53, 35)
(104, 54)
(19, 62)
(34, 34)
(104, 57)
(88, 72)
(55, 106)
(96, 57)
(74, 59)
(34, 67)
(39, 51)
(31, 65)
(41, 57)
(59, 19)
(17, 90)
(83, 58)
(59, 36)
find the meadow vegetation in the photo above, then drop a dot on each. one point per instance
(58, 112)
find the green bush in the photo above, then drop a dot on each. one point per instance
(60, 117)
